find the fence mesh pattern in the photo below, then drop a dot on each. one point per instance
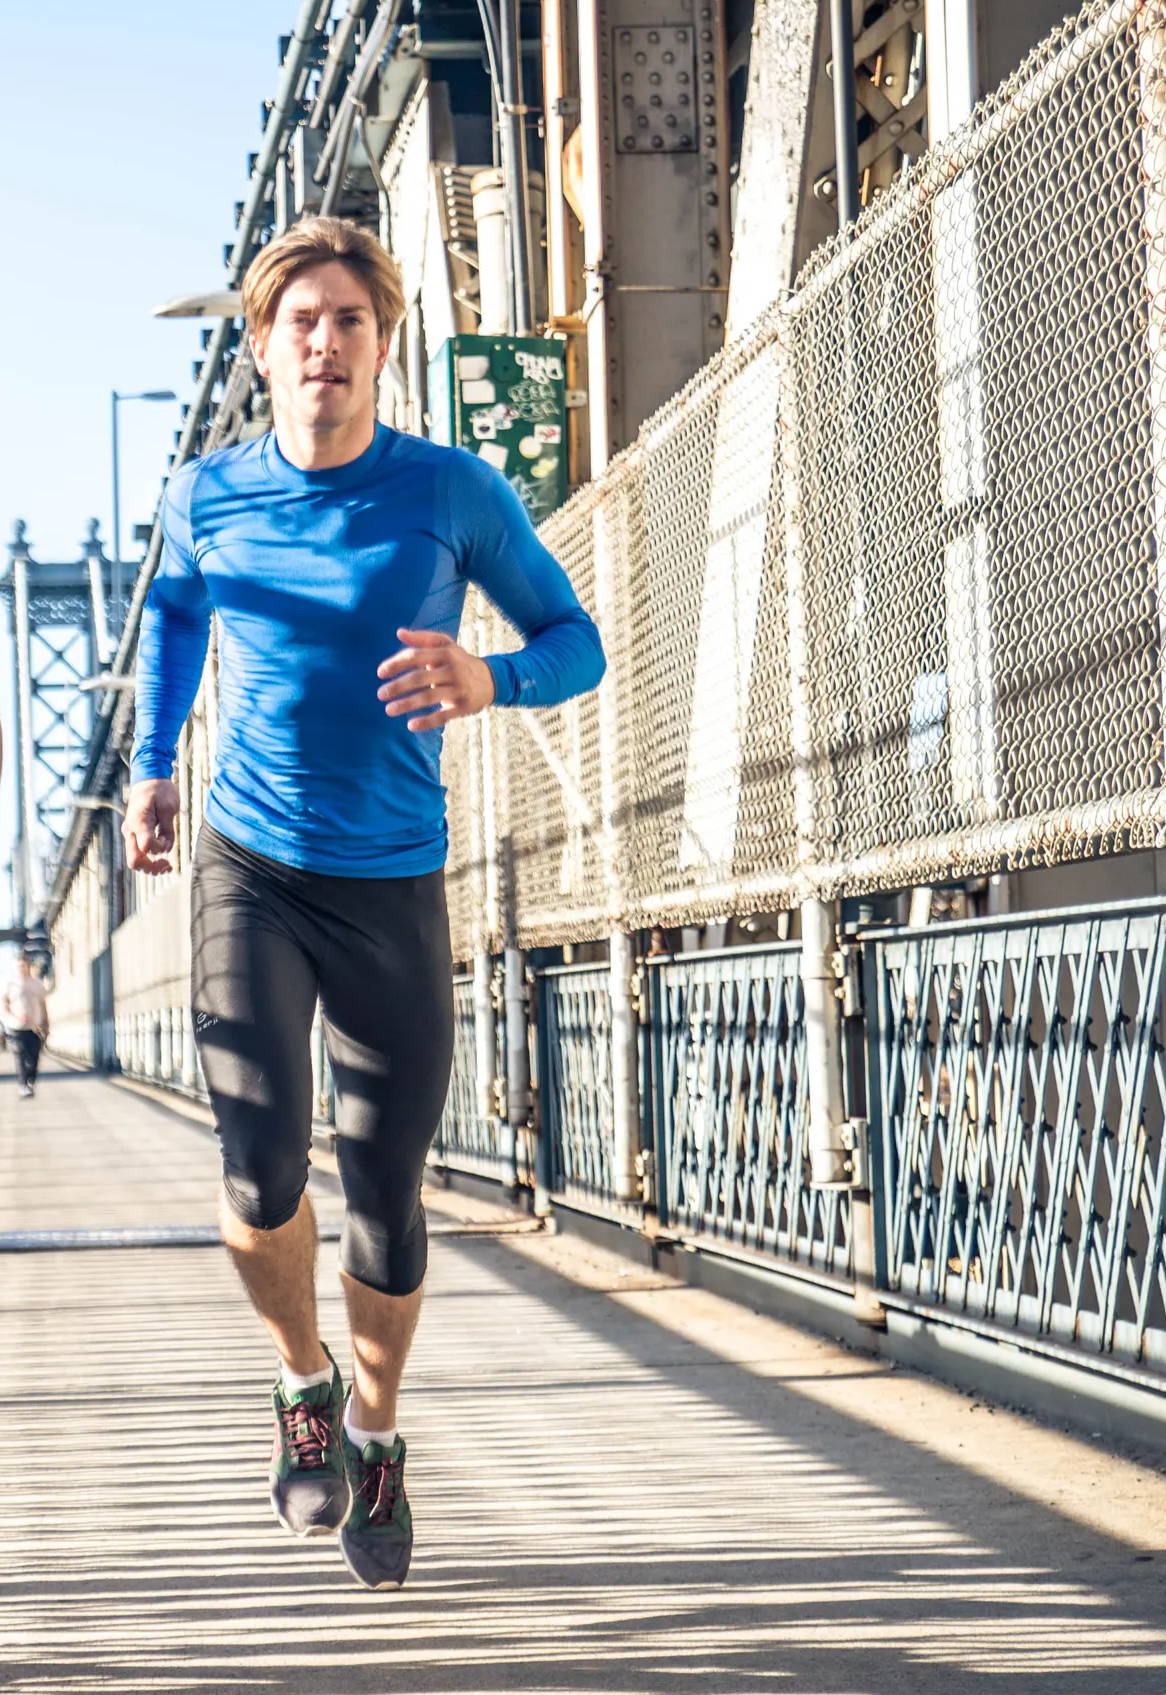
(880, 588)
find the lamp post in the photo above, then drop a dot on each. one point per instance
(114, 399)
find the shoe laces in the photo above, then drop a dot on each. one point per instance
(307, 1433)
(380, 1488)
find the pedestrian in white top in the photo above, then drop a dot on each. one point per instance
(26, 1016)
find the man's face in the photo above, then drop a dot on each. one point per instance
(321, 356)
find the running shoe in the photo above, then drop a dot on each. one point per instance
(377, 1539)
(310, 1495)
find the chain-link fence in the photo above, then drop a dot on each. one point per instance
(880, 588)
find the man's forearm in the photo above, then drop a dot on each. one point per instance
(563, 659)
(171, 656)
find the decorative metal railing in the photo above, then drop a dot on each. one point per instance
(467, 1139)
(730, 1106)
(1018, 1093)
(574, 1081)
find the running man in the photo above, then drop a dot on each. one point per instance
(336, 553)
(26, 1018)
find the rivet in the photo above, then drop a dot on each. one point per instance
(642, 120)
(715, 321)
(657, 141)
(669, 58)
(682, 76)
(629, 141)
(670, 120)
(626, 78)
(710, 199)
(653, 36)
(629, 99)
(654, 79)
(641, 58)
(683, 100)
(655, 100)
(625, 34)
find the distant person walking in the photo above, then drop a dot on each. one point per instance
(26, 1017)
(335, 553)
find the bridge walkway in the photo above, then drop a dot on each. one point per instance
(620, 1484)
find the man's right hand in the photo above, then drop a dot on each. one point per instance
(148, 826)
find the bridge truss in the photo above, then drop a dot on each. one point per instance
(58, 620)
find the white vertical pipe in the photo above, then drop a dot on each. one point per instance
(592, 92)
(554, 90)
(616, 777)
(485, 1036)
(828, 1155)
(625, 1080)
(822, 1011)
(517, 1053)
(489, 192)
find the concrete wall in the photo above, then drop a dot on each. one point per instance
(151, 952)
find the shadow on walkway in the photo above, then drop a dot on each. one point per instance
(603, 1502)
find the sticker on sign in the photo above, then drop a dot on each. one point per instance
(549, 433)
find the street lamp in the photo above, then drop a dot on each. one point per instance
(114, 398)
(219, 303)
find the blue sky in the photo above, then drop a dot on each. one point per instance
(125, 133)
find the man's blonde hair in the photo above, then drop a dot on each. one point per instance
(316, 241)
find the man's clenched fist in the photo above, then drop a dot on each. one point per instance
(435, 680)
(148, 826)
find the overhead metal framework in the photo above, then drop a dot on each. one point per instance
(59, 621)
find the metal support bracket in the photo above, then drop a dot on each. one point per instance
(854, 1134)
(646, 1172)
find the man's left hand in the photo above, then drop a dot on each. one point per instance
(434, 677)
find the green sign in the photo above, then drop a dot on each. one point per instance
(503, 398)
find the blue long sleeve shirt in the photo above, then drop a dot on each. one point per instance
(311, 574)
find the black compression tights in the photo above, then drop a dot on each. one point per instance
(266, 940)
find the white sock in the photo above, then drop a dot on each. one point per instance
(359, 1437)
(296, 1385)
